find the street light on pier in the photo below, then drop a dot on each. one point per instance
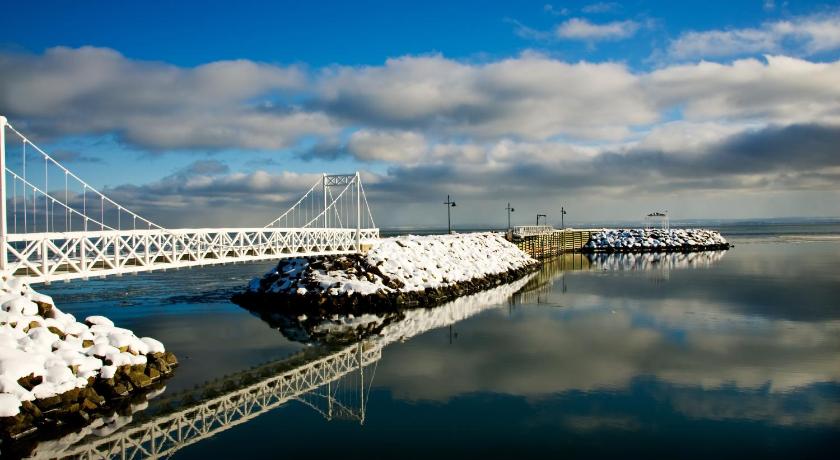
(509, 210)
(449, 205)
(545, 219)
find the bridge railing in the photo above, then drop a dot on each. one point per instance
(532, 230)
(46, 257)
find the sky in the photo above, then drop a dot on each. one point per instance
(213, 113)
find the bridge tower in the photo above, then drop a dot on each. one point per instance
(3, 256)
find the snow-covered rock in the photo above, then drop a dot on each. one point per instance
(653, 240)
(54, 352)
(399, 265)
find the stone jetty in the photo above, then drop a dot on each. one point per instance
(655, 240)
(406, 270)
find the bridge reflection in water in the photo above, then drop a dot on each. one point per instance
(336, 385)
(321, 384)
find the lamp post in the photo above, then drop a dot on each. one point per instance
(562, 213)
(509, 210)
(449, 205)
(545, 218)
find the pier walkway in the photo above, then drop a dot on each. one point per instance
(541, 241)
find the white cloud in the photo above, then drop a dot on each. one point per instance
(156, 105)
(582, 29)
(687, 138)
(407, 101)
(206, 194)
(529, 33)
(551, 9)
(392, 146)
(805, 35)
(530, 96)
(717, 43)
(239, 128)
(601, 7)
(780, 90)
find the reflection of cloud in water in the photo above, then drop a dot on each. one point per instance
(654, 261)
(599, 345)
(814, 408)
(600, 422)
(784, 282)
(546, 352)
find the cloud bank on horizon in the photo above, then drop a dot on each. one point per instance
(714, 123)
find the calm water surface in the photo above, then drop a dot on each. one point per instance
(718, 354)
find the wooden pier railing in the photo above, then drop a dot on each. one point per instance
(549, 243)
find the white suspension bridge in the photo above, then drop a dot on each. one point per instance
(55, 226)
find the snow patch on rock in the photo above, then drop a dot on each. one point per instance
(38, 340)
(655, 239)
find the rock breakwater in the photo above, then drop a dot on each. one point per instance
(655, 240)
(407, 270)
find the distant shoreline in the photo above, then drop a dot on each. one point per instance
(733, 227)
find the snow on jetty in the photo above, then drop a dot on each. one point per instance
(55, 370)
(638, 240)
(402, 270)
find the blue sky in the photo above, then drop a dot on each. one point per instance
(362, 32)
(475, 98)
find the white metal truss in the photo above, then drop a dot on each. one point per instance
(165, 435)
(339, 179)
(74, 231)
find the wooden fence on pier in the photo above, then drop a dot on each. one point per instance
(549, 242)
